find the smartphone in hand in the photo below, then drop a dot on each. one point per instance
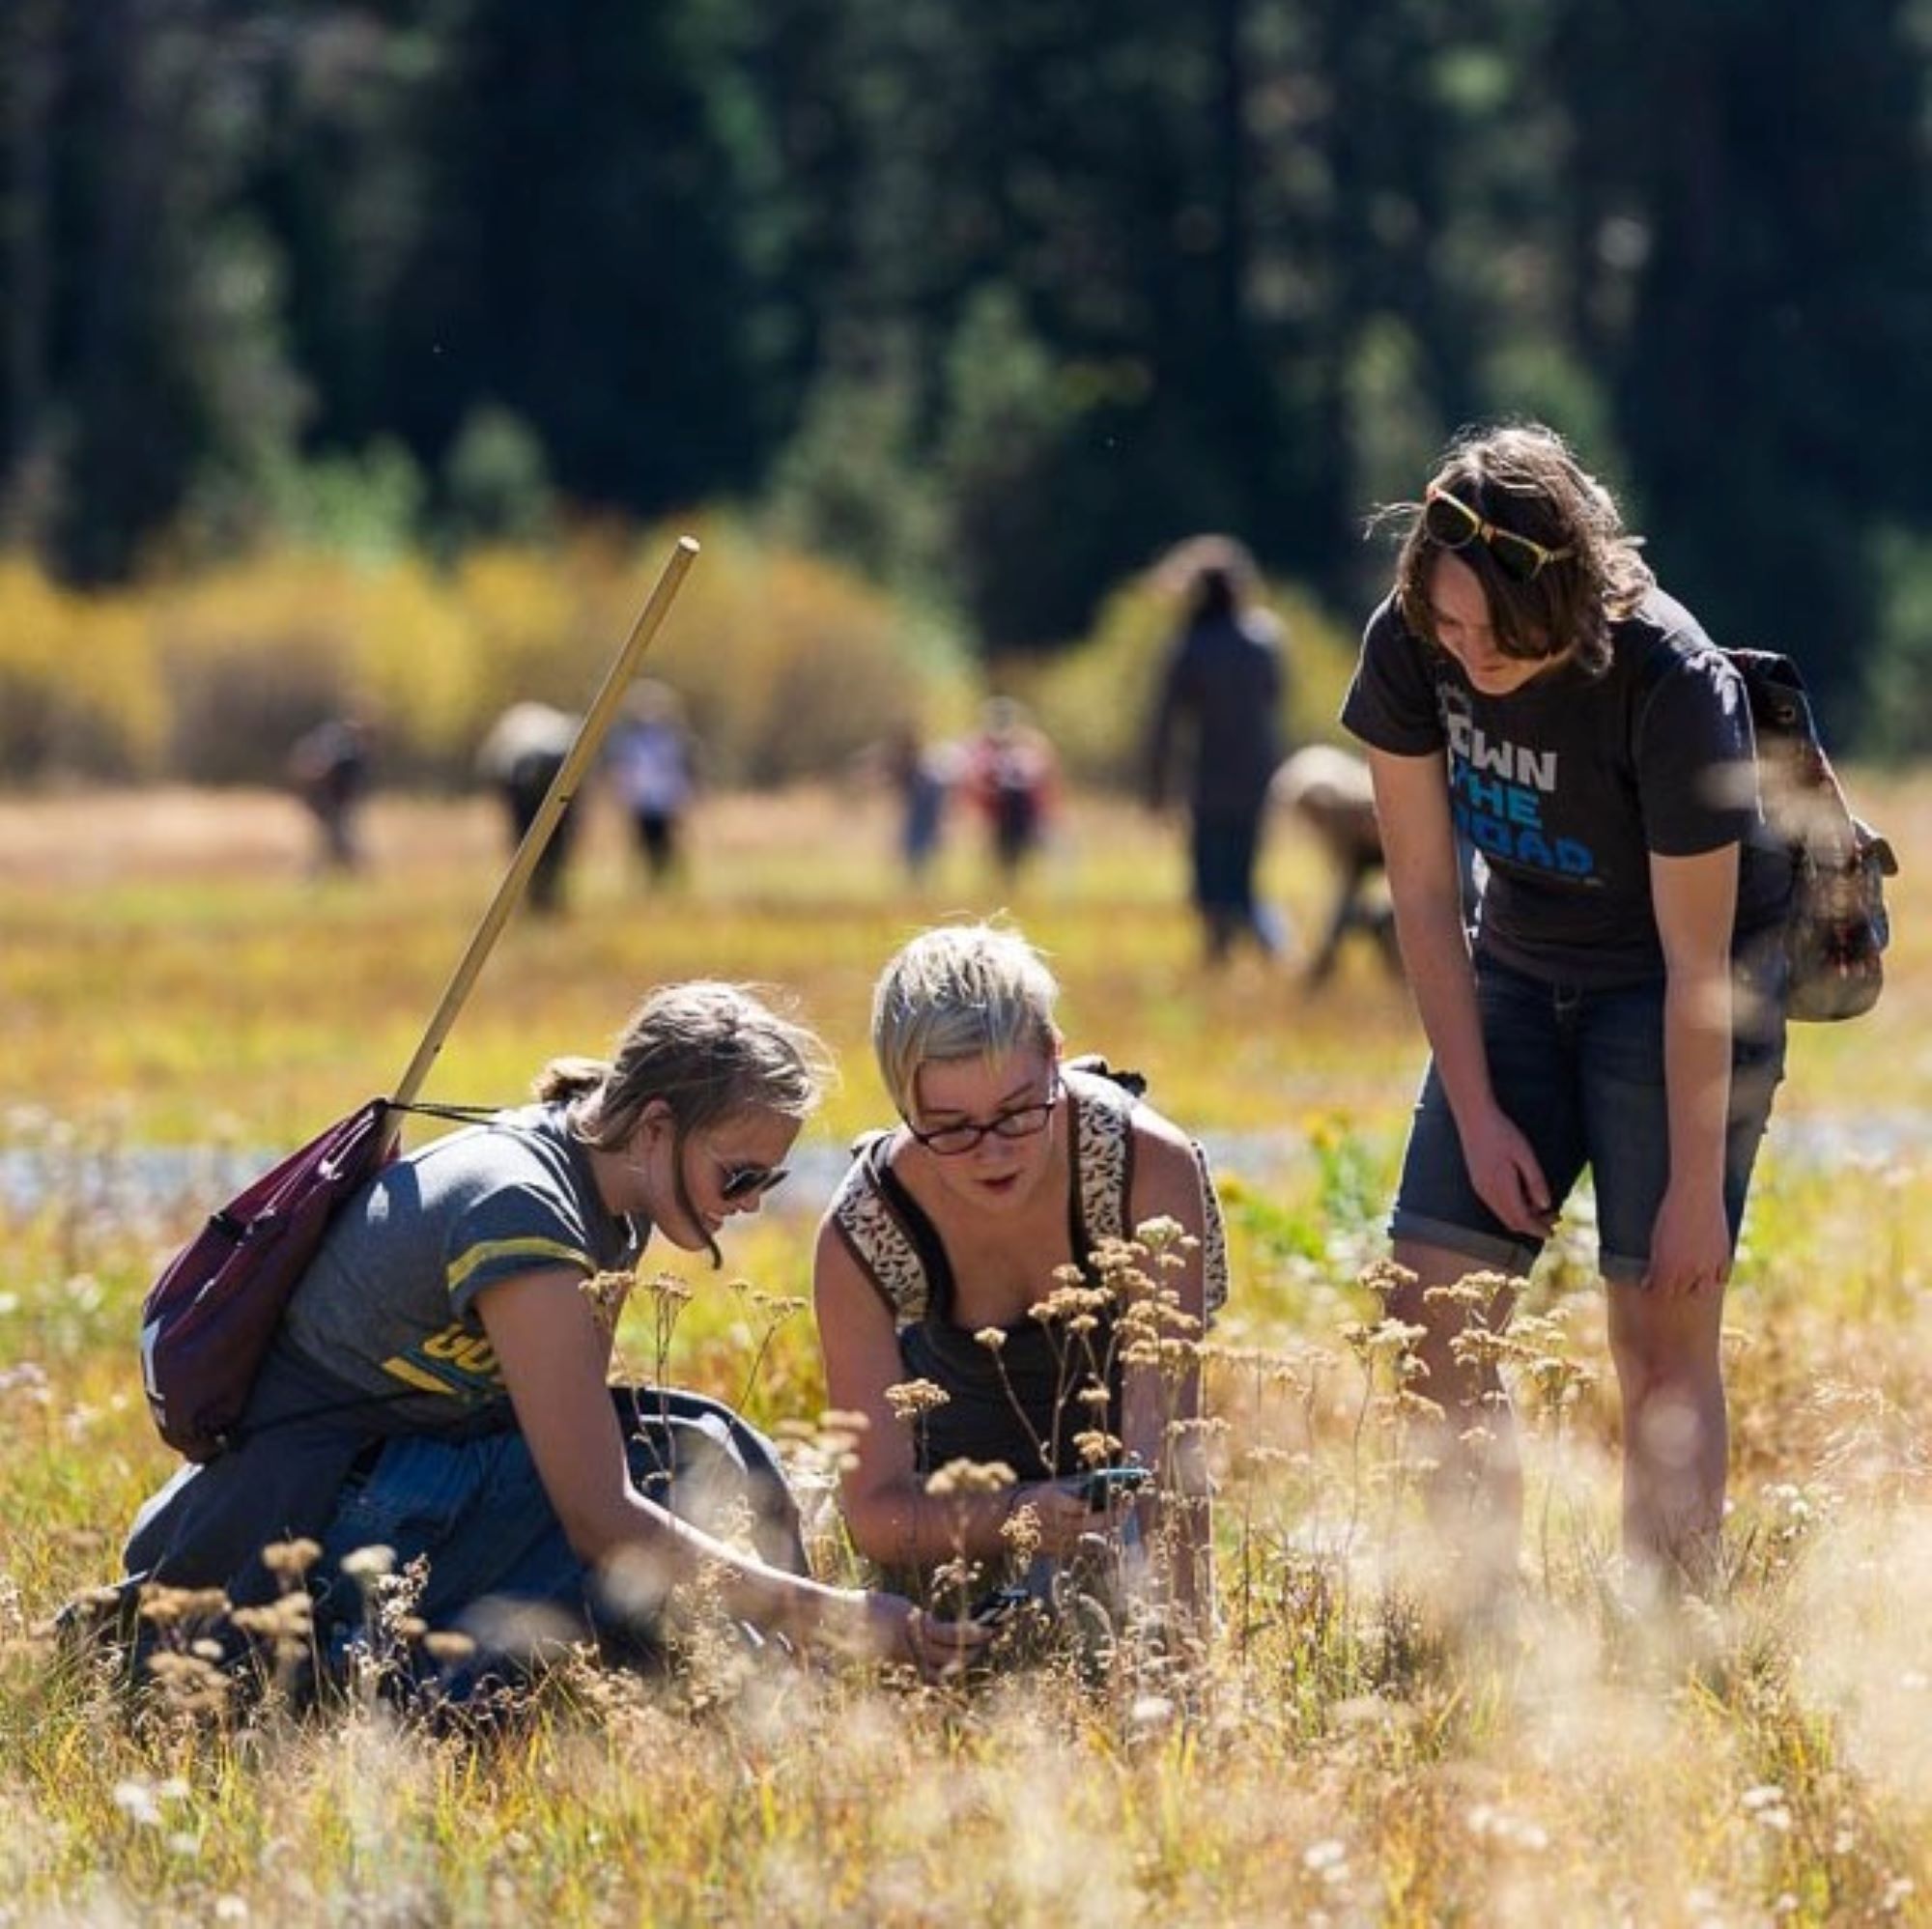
(1101, 1487)
(1001, 1604)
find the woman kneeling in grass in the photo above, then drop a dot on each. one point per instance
(439, 1384)
(976, 1304)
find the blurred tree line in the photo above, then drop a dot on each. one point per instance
(992, 300)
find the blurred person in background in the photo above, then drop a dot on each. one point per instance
(519, 758)
(1012, 775)
(328, 769)
(922, 776)
(1219, 701)
(653, 761)
(1619, 1005)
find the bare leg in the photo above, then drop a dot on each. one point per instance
(1676, 1432)
(1475, 1489)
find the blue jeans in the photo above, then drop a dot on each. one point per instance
(477, 1513)
(1579, 1072)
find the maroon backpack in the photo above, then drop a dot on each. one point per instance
(207, 1321)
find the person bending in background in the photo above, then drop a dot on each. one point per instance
(328, 769)
(520, 759)
(1527, 684)
(1332, 794)
(438, 1384)
(941, 1270)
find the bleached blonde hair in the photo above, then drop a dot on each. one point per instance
(959, 991)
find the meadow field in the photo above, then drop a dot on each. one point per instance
(178, 999)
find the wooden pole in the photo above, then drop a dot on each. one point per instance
(589, 738)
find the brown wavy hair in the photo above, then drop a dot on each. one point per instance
(711, 1051)
(1523, 478)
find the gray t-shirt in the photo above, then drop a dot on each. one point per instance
(1569, 784)
(388, 1306)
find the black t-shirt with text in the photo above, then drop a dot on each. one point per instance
(1568, 786)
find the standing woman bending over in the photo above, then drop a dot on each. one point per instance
(1527, 684)
(437, 1385)
(946, 1242)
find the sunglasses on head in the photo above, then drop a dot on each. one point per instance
(741, 1183)
(1455, 525)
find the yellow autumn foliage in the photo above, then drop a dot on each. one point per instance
(787, 663)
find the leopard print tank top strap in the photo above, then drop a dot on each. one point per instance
(1103, 1152)
(875, 1235)
(1104, 1138)
(1213, 1243)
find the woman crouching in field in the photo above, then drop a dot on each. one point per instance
(975, 1305)
(439, 1384)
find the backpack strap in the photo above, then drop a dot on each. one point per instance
(458, 1114)
(1213, 1241)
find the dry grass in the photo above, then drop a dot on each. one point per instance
(1345, 1752)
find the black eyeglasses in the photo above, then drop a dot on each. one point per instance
(740, 1182)
(1018, 1122)
(1452, 523)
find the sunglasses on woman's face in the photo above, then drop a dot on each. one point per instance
(738, 1183)
(1452, 523)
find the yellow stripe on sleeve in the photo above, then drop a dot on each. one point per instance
(487, 1250)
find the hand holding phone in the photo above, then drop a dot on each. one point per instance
(990, 1610)
(1101, 1487)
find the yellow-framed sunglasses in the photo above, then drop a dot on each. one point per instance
(1452, 523)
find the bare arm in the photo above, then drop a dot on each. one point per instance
(1695, 904)
(888, 1514)
(1167, 1185)
(1161, 1400)
(1419, 846)
(553, 1354)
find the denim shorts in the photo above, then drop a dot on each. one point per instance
(1579, 1072)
